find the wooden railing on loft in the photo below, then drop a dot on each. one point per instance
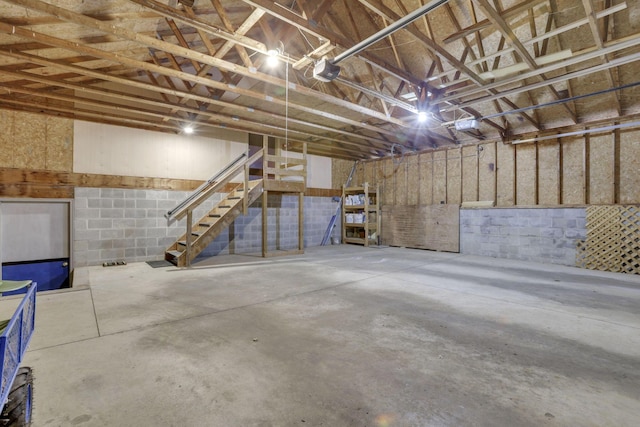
(283, 173)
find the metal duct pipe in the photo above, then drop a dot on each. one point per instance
(401, 23)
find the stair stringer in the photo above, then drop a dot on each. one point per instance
(176, 253)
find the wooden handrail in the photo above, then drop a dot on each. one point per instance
(213, 185)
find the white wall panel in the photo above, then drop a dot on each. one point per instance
(318, 171)
(115, 150)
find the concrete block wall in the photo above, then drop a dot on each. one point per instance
(546, 235)
(282, 223)
(121, 224)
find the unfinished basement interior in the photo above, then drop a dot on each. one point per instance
(371, 213)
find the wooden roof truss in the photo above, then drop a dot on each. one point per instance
(518, 67)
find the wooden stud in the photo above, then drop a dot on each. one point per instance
(560, 172)
(616, 166)
(586, 182)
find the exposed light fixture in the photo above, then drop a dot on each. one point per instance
(467, 124)
(272, 57)
(188, 129)
(422, 116)
(409, 96)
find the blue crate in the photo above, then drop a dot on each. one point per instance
(15, 339)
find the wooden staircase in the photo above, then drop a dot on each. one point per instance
(212, 224)
(280, 173)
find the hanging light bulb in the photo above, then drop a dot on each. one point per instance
(422, 116)
(272, 57)
(188, 129)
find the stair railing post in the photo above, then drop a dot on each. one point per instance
(189, 228)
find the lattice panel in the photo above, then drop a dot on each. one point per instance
(630, 239)
(613, 239)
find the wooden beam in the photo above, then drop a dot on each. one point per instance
(180, 74)
(478, 26)
(599, 41)
(131, 35)
(304, 25)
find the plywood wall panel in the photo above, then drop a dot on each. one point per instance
(505, 174)
(401, 181)
(526, 178)
(370, 174)
(36, 141)
(454, 176)
(6, 138)
(550, 175)
(630, 166)
(470, 173)
(548, 179)
(413, 179)
(426, 178)
(439, 177)
(435, 227)
(573, 171)
(29, 142)
(59, 155)
(388, 180)
(601, 169)
(358, 175)
(487, 172)
(340, 172)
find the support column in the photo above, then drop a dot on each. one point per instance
(188, 237)
(265, 194)
(301, 221)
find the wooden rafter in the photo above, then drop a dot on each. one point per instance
(207, 64)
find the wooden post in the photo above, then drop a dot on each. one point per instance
(188, 240)
(616, 165)
(515, 175)
(265, 164)
(536, 189)
(301, 221)
(245, 195)
(232, 238)
(560, 172)
(264, 222)
(278, 208)
(586, 153)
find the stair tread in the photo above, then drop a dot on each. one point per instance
(230, 208)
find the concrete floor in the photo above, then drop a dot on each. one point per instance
(341, 336)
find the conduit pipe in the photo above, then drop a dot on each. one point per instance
(327, 69)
